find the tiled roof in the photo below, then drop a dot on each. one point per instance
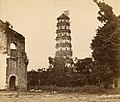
(63, 16)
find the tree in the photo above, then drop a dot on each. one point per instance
(83, 65)
(83, 71)
(32, 78)
(106, 43)
(58, 71)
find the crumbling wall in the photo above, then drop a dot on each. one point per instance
(16, 59)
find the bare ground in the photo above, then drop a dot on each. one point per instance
(55, 97)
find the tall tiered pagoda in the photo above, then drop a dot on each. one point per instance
(63, 38)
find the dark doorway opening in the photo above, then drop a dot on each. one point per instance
(12, 83)
(115, 83)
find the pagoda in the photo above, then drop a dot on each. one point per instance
(63, 38)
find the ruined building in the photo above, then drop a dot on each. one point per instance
(63, 38)
(13, 59)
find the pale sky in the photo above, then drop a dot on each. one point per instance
(36, 20)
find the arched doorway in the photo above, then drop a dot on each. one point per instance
(12, 85)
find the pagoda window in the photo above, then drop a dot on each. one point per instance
(63, 27)
(68, 41)
(59, 34)
(67, 20)
(67, 27)
(62, 20)
(63, 49)
(59, 20)
(60, 27)
(57, 49)
(68, 48)
(58, 42)
(65, 41)
(60, 48)
(67, 34)
(62, 34)
(68, 65)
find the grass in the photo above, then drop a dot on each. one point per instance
(85, 89)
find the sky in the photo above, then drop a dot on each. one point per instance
(36, 20)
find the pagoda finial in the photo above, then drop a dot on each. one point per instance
(66, 12)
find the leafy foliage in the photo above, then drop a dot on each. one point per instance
(32, 77)
(106, 44)
(58, 72)
(105, 14)
(83, 68)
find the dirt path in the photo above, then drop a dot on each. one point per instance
(48, 97)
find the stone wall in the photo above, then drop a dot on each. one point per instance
(16, 58)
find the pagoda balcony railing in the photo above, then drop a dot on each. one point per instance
(64, 53)
(63, 23)
(63, 38)
(63, 30)
(63, 45)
